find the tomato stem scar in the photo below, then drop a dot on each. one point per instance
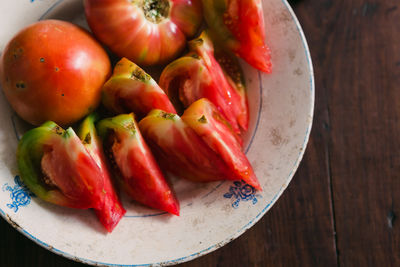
(155, 10)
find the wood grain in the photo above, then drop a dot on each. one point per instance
(363, 88)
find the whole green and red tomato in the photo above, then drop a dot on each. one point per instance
(148, 32)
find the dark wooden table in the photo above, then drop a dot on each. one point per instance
(341, 207)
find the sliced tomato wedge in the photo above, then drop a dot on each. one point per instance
(111, 211)
(138, 172)
(180, 150)
(56, 167)
(131, 89)
(203, 117)
(239, 26)
(235, 77)
(198, 75)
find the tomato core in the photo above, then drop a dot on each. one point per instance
(155, 10)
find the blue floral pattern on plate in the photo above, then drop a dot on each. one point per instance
(241, 191)
(19, 193)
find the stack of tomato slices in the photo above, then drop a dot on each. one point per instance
(189, 124)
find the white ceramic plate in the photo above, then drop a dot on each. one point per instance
(281, 106)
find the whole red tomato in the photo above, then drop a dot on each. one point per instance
(53, 70)
(148, 32)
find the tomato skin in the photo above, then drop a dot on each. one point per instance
(111, 210)
(69, 175)
(123, 27)
(131, 89)
(203, 117)
(199, 75)
(53, 70)
(180, 150)
(239, 26)
(139, 173)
